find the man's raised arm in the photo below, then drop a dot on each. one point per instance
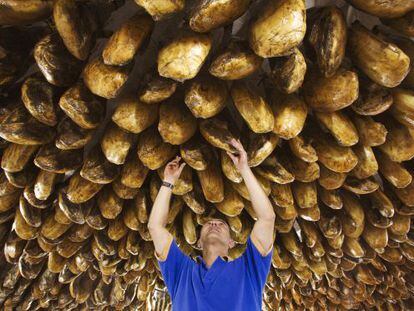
(262, 234)
(158, 217)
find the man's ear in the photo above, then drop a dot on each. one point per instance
(199, 243)
(232, 243)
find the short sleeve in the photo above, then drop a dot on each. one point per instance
(257, 265)
(172, 267)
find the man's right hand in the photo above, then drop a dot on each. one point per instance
(240, 158)
(173, 170)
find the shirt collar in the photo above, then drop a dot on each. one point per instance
(199, 259)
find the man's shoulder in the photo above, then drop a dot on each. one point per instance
(172, 251)
(252, 242)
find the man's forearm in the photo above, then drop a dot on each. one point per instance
(260, 201)
(159, 213)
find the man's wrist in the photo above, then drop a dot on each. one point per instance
(169, 180)
(167, 183)
(245, 170)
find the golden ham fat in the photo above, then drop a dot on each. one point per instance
(324, 110)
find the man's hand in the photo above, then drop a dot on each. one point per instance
(173, 170)
(158, 217)
(240, 158)
(262, 232)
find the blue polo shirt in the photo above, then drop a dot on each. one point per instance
(235, 285)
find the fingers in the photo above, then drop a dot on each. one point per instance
(174, 164)
(237, 144)
(175, 161)
(182, 166)
(233, 157)
(240, 146)
(170, 164)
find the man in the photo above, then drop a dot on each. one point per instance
(212, 282)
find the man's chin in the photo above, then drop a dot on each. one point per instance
(214, 236)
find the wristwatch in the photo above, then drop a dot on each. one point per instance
(167, 184)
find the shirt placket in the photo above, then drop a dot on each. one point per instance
(212, 274)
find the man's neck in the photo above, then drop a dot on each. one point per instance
(212, 251)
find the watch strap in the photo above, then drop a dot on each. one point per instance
(167, 184)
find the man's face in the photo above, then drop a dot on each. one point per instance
(215, 229)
